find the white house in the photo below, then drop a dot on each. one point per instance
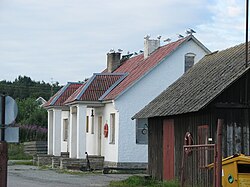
(95, 116)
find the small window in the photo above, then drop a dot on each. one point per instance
(243, 168)
(92, 125)
(65, 129)
(189, 61)
(112, 128)
(142, 131)
(87, 124)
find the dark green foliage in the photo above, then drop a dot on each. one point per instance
(29, 112)
(23, 87)
(31, 118)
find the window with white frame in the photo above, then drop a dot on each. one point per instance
(189, 61)
(112, 128)
(65, 129)
(142, 131)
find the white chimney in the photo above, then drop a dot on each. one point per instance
(150, 45)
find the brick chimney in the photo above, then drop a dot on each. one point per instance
(150, 45)
(113, 61)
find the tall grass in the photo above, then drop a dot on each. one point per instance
(16, 152)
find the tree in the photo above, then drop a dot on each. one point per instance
(31, 113)
(23, 87)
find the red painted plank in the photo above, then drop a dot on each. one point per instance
(168, 149)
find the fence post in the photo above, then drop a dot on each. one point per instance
(219, 152)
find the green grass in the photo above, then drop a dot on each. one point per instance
(139, 181)
(24, 162)
(16, 152)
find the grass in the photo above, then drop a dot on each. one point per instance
(16, 152)
(139, 181)
(24, 162)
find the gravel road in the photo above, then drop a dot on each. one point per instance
(32, 176)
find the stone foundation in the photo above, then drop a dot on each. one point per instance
(41, 160)
(96, 163)
(132, 165)
(72, 163)
(56, 161)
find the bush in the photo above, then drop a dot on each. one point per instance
(16, 152)
(32, 133)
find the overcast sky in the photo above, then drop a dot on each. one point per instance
(67, 40)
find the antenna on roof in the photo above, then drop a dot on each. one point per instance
(167, 40)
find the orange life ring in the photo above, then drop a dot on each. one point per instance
(188, 140)
(106, 130)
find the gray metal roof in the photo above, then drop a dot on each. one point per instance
(200, 85)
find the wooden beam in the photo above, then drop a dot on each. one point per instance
(232, 105)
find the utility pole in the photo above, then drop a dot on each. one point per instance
(247, 5)
(3, 147)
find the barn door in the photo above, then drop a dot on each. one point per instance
(168, 149)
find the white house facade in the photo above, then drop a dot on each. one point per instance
(95, 116)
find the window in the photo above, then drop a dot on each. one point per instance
(142, 131)
(87, 124)
(92, 122)
(65, 129)
(189, 61)
(112, 128)
(92, 125)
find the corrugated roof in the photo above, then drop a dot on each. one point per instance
(200, 85)
(96, 87)
(63, 94)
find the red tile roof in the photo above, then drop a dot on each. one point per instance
(108, 86)
(137, 66)
(63, 94)
(96, 87)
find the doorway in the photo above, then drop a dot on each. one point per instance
(99, 141)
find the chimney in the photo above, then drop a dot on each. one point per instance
(150, 45)
(113, 61)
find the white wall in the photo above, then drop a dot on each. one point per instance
(141, 94)
(90, 138)
(64, 144)
(110, 151)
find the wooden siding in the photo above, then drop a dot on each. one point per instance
(232, 105)
(191, 123)
(155, 158)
